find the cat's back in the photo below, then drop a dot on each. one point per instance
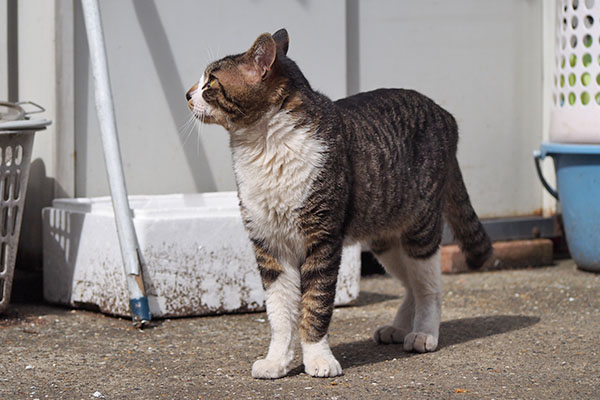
(403, 108)
(381, 96)
(399, 119)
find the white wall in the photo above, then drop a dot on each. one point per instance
(156, 52)
(36, 82)
(549, 9)
(481, 60)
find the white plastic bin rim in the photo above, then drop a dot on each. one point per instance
(16, 118)
(152, 206)
(24, 125)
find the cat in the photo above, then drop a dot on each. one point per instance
(313, 174)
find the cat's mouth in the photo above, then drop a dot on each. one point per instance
(197, 105)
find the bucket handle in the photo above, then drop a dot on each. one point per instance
(537, 156)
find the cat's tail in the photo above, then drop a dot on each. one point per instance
(460, 215)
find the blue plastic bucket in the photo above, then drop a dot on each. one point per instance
(578, 179)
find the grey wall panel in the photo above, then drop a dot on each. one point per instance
(157, 50)
(482, 61)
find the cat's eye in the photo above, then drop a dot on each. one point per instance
(212, 81)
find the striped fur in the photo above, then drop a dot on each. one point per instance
(378, 167)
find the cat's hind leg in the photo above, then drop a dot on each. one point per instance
(424, 278)
(282, 291)
(422, 266)
(417, 321)
(389, 253)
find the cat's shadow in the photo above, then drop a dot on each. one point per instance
(365, 352)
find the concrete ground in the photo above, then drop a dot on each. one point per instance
(527, 334)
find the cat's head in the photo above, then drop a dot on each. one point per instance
(237, 91)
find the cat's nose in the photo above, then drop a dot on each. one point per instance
(190, 92)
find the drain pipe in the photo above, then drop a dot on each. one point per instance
(140, 311)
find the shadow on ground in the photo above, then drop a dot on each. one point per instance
(366, 298)
(28, 313)
(364, 352)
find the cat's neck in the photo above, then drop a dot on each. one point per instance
(277, 126)
(257, 133)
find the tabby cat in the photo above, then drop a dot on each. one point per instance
(312, 174)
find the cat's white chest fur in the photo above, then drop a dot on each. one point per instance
(275, 164)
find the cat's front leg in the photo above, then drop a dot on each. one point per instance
(282, 291)
(319, 278)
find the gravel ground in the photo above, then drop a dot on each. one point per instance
(507, 334)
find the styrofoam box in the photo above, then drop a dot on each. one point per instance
(196, 256)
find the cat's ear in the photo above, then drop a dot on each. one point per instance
(263, 53)
(282, 39)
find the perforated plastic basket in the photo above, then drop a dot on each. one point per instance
(16, 141)
(576, 95)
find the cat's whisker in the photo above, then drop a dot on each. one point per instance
(199, 132)
(189, 133)
(210, 54)
(188, 127)
(197, 143)
(183, 129)
(188, 121)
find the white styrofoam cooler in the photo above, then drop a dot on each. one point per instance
(196, 256)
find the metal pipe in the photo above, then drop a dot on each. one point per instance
(140, 311)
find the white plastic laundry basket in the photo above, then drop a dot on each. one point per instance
(16, 142)
(576, 95)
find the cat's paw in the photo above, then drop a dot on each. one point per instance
(388, 334)
(269, 369)
(420, 342)
(323, 367)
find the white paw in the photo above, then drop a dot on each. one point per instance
(323, 367)
(269, 369)
(388, 334)
(420, 342)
